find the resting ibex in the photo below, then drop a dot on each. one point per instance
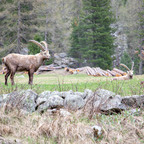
(17, 62)
(129, 74)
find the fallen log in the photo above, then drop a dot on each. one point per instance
(111, 72)
(118, 71)
(100, 71)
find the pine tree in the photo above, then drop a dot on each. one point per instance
(92, 37)
(17, 25)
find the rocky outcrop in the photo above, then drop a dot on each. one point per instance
(61, 59)
(121, 43)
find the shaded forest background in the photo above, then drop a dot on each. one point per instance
(51, 20)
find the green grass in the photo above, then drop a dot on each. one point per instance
(60, 82)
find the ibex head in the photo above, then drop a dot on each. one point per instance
(129, 72)
(44, 47)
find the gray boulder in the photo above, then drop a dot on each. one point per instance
(102, 93)
(43, 97)
(133, 101)
(66, 93)
(64, 113)
(3, 99)
(55, 93)
(74, 102)
(53, 101)
(87, 94)
(25, 100)
(108, 102)
(80, 94)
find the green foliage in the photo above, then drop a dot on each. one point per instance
(33, 48)
(126, 59)
(124, 2)
(91, 39)
(9, 1)
(50, 61)
(136, 60)
(16, 26)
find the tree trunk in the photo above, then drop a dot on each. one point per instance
(140, 67)
(18, 28)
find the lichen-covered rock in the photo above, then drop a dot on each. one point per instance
(53, 101)
(109, 102)
(102, 93)
(74, 102)
(87, 94)
(66, 93)
(43, 97)
(25, 99)
(80, 94)
(106, 102)
(133, 101)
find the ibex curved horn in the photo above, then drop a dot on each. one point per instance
(132, 66)
(125, 66)
(45, 44)
(38, 44)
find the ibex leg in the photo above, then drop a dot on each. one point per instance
(6, 77)
(30, 73)
(12, 76)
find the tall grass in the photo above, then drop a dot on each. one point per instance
(74, 129)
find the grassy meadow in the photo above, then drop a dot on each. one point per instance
(62, 81)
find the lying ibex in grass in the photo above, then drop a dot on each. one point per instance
(129, 74)
(17, 62)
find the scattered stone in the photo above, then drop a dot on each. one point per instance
(135, 112)
(64, 113)
(97, 131)
(52, 111)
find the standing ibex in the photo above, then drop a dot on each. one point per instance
(17, 62)
(129, 74)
